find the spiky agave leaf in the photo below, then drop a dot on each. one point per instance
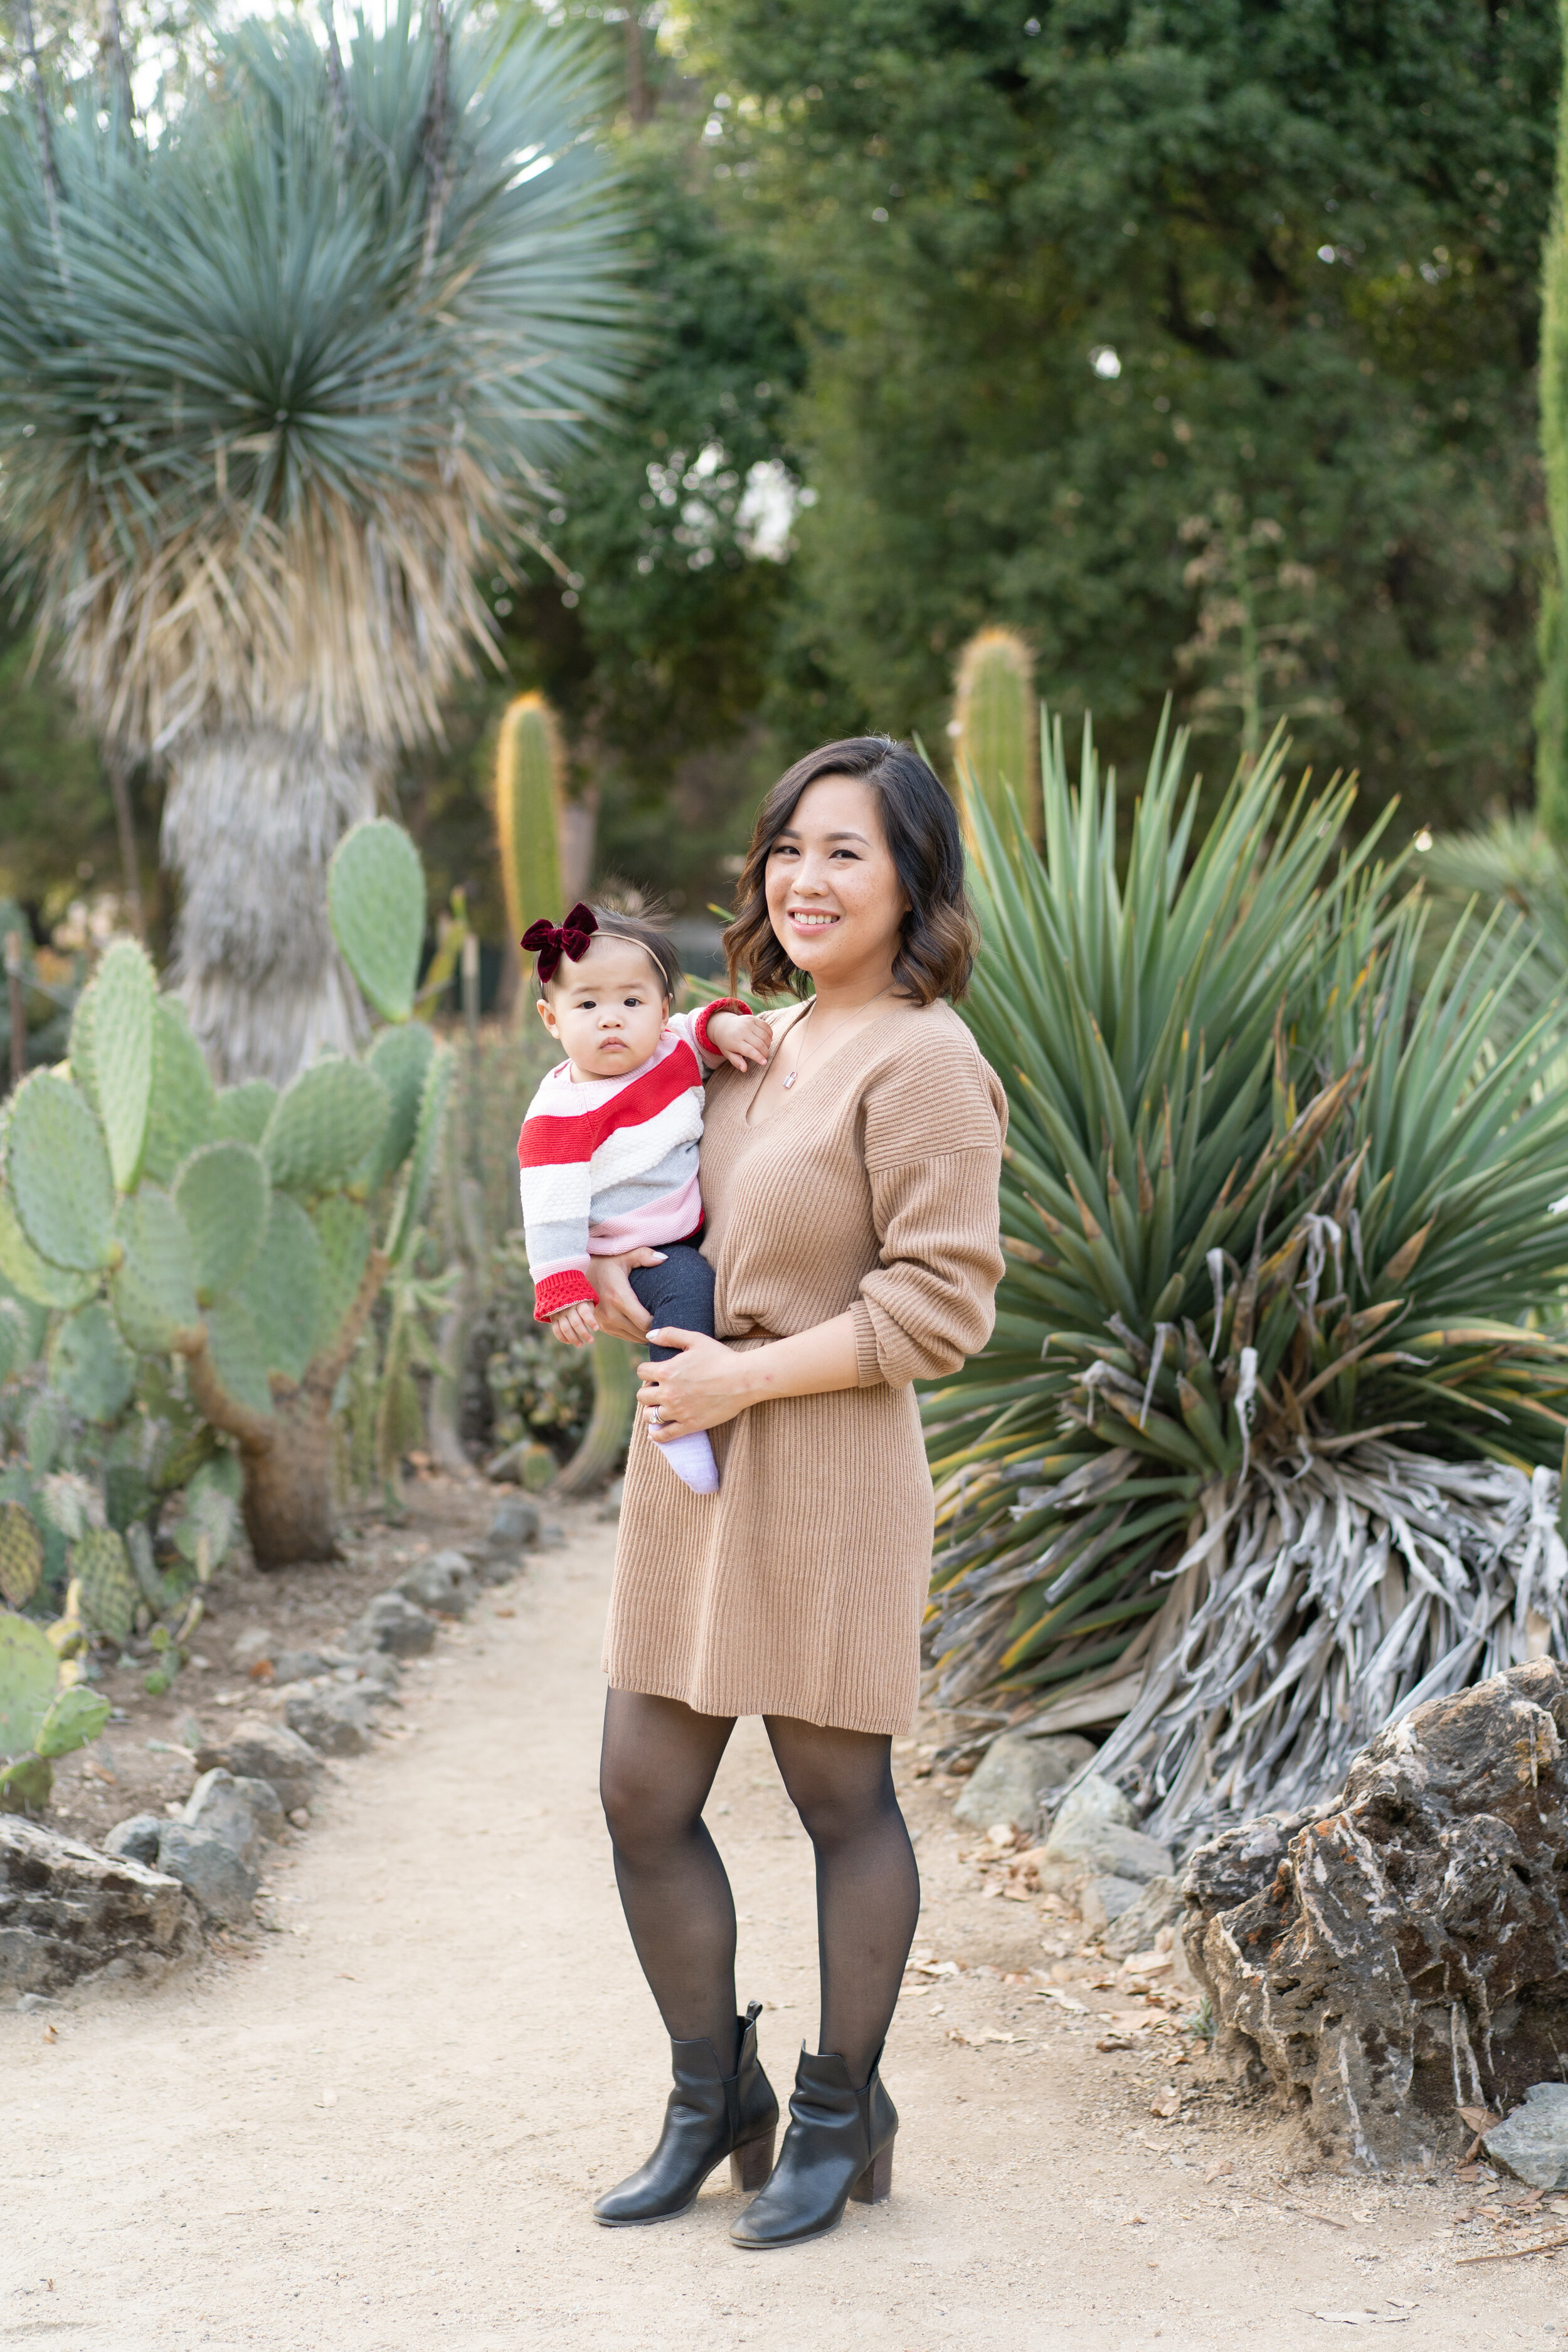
(1331, 1228)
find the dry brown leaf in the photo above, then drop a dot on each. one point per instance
(1166, 2104)
(1478, 2118)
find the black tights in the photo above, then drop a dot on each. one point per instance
(658, 1763)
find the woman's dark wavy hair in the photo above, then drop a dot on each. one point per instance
(936, 946)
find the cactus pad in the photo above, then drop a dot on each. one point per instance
(236, 1358)
(125, 996)
(151, 1291)
(242, 1112)
(33, 1317)
(400, 1058)
(283, 1289)
(74, 1717)
(109, 1591)
(29, 1671)
(222, 1196)
(90, 1365)
(375, 902)
(331, 1116)
(182, 1110)
(43, 1434)
(32, 1275)
(79, 1049)
(342, 1229)
(415, 1188)
(21, 1555)
(58, 1174)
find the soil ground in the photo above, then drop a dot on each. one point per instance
(380, 2123)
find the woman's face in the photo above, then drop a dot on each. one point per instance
(835, 901)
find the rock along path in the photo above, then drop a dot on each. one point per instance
(383, 2126)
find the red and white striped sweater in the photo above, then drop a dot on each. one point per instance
(610, 1164)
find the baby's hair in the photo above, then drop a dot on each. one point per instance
(615, 925)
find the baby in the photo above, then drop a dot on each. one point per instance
(608, 1148)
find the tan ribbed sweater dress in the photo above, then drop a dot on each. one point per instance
(871, 1187)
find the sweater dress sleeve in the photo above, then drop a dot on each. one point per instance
(932, 1142)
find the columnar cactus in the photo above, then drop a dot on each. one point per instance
(531, 769)
(996, 726)
(235, 1230)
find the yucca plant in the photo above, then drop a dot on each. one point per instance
(277, 386)
(1261, 1451)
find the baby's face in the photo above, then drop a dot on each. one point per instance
(608, 1010)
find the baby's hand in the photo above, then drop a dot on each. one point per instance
(741, 1037)
(576, 1325)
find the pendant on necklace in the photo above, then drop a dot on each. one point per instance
(789, 1081)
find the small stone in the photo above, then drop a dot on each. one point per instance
(299, 1665)
(1159, 1905)
(1532, 2142)
(266, 1810)
(1012, 1776)
(374, 1674)
(136, 1840)
(392, 1622)
(1094, 1827)
(222, 1884)
(256, 1750)
(29, 2001)
(552, 1538)
(256, 1642)
(1105, 1899)
(336, 1722)
(514, 1525)
(444, 1581)
(301, 1817)
(216, 1808)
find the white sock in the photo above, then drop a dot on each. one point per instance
(691, 1458)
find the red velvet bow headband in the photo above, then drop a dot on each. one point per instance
(550, 943)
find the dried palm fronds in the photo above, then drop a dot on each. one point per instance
(1267, 1206)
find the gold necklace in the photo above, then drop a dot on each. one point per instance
(802, 1059)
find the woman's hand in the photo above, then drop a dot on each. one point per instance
(621, 1311)
(699, 1388)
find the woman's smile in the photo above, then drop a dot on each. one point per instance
(811, 919)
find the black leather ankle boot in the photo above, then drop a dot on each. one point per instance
(838, 2145)
(709, 2116)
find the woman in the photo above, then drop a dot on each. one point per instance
(850, 1193)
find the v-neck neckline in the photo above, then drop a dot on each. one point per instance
(757, 1127)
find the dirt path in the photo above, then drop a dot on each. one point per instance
(382, 2127)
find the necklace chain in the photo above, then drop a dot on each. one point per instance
(801, 1057)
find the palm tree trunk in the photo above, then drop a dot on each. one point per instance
(251, 819)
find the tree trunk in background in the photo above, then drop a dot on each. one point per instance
(117, 767)
(251, 819)
(1551, 698)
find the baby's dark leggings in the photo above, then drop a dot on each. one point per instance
(679, 1292)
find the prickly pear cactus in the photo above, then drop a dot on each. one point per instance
(124, 997)
(243, 1111)
(73, 1717)
(284, 1287)
(150, 1290)
(181, 1113)
(324, 1125)
(21, 1555)
(29, 1672)
(415, 1188)
(530, 778)
(32, 1275)
(375, 898)
(90, 1365)
(221, 1195)
(400, 1059)
(102, 1567)
(58, 1175)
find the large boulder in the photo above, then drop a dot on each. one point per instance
(1013, 1775)
(222, 1882)
(1404, 1952)
(68, 1913)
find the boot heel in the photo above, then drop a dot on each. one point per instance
(876, 2182)
(749, 2166)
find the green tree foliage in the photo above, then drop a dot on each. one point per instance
(1077, 276)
